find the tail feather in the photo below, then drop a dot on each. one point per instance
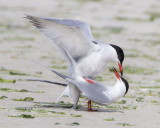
(63, 76)
(67, 90)
(71, 60)
(47, 81)
(64, 93)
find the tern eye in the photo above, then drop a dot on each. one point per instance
(94, 42)
(114, 69)
(116, 73)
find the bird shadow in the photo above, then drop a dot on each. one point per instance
(64, 105)
(98, 110)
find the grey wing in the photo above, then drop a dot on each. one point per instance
(75, 36)
(94, 92)
(74, 23)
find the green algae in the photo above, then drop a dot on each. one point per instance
(27, 116)
(7, 81)
(111, 119)
(24, 99)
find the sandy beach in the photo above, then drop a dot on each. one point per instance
(133, 25)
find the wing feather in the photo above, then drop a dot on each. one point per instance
(75, 36)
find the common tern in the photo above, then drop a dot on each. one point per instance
(93, 91)
(100, 94)
(90, 56)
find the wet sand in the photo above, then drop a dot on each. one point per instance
(133, 25)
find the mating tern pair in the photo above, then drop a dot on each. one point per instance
(87, 57)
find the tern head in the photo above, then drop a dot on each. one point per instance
(121, 79)
(119, 57)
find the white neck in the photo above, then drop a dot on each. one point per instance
(111, 53)
(117, 91)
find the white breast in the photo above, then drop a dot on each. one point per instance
(94, 63)
(117, 91)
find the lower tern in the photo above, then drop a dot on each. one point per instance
(93, 91)
(100, 94)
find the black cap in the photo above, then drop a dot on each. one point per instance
(120, 53)
(126, 84)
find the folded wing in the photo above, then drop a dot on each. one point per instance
(94, 92)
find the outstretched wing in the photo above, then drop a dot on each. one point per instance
(75, 36)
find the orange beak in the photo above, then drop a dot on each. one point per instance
(116, 73)
(120, 68)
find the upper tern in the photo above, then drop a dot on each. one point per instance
(75, 36)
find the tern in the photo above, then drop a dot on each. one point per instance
(100, 94)
(93, 91)
(91, 56)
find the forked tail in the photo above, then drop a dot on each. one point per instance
(47, 81)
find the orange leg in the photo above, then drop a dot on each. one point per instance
(89, 106)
